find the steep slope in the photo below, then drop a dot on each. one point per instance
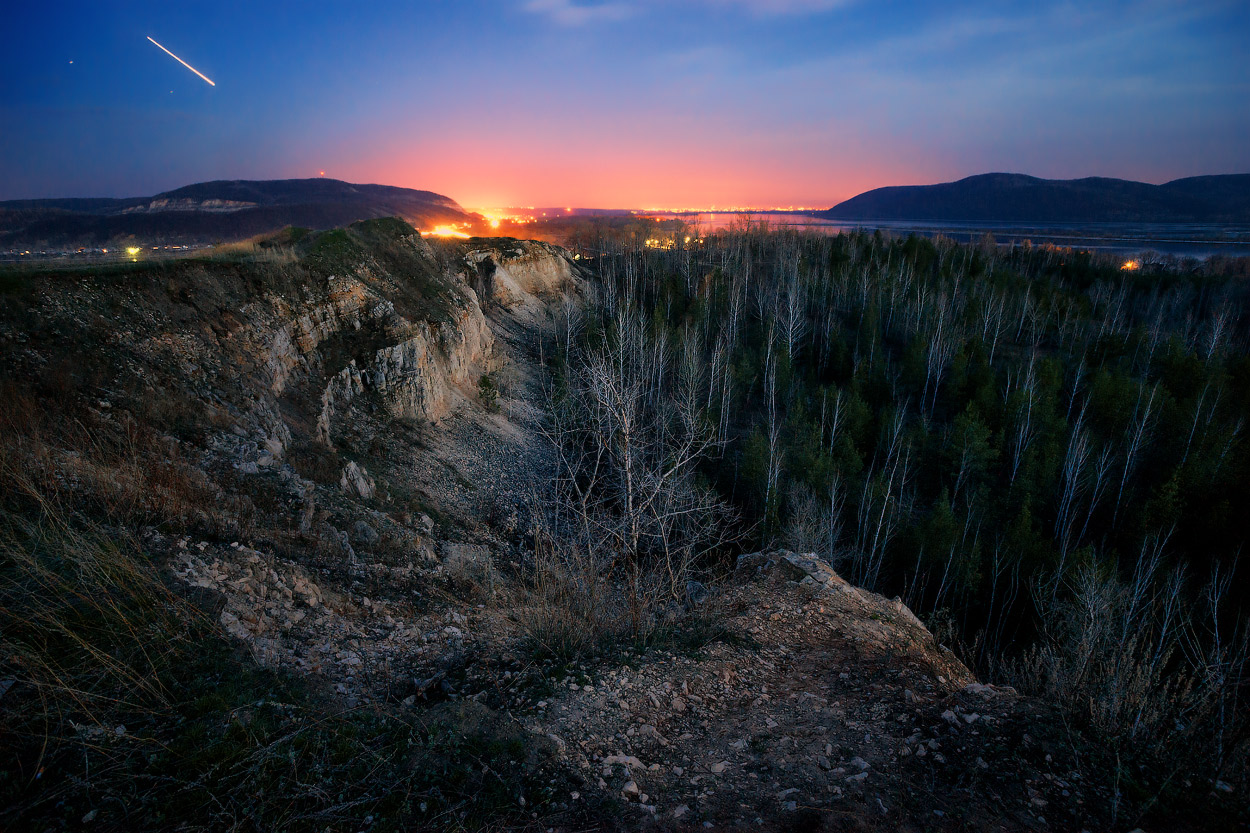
(1000, 197)
(217, 211)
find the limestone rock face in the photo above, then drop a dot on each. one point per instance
(414, 338)
(415, 377)
(217, 206)
(522, 276)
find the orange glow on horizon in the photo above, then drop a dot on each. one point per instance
(483, 174)
(629, 172)
(445, 231)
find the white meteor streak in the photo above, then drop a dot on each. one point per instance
(184, 63)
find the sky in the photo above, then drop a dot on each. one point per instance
(623, 103)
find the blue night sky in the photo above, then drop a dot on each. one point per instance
(629, 103)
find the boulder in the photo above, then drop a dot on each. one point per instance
(355, 480)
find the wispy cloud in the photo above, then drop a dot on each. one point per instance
(569, 13)
(783, 7)
(573, 13)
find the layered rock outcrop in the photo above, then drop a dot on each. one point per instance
(523, 276)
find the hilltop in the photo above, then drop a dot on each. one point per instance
(1003, 197)
(223, 210)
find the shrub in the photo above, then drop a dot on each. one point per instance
(488, 392)
(1147, 669)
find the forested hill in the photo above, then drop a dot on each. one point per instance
(223, 210)
(999, 197)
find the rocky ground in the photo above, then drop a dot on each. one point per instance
(796, 701)
(821, 706)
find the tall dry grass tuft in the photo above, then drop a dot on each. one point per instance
(87, 628)
(265, 248)
(1159, 674)
(571, 607)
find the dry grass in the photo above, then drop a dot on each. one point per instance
(570, 608)
(117, 469)
(265, 248)
(1149, 670)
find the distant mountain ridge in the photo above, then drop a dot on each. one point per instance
(1001, 197)
(222, 210)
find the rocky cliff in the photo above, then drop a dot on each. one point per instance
(296, 346)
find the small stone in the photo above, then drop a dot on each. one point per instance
(365, 534)
(630, 790)
(681, 811)
(90, 816)
(718, 767)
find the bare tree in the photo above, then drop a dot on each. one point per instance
(628, 432)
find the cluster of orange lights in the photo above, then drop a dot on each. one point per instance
(668, 242)
(1130, 266)
(446, 231)
(727, 209)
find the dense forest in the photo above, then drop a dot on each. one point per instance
(1042, 451)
